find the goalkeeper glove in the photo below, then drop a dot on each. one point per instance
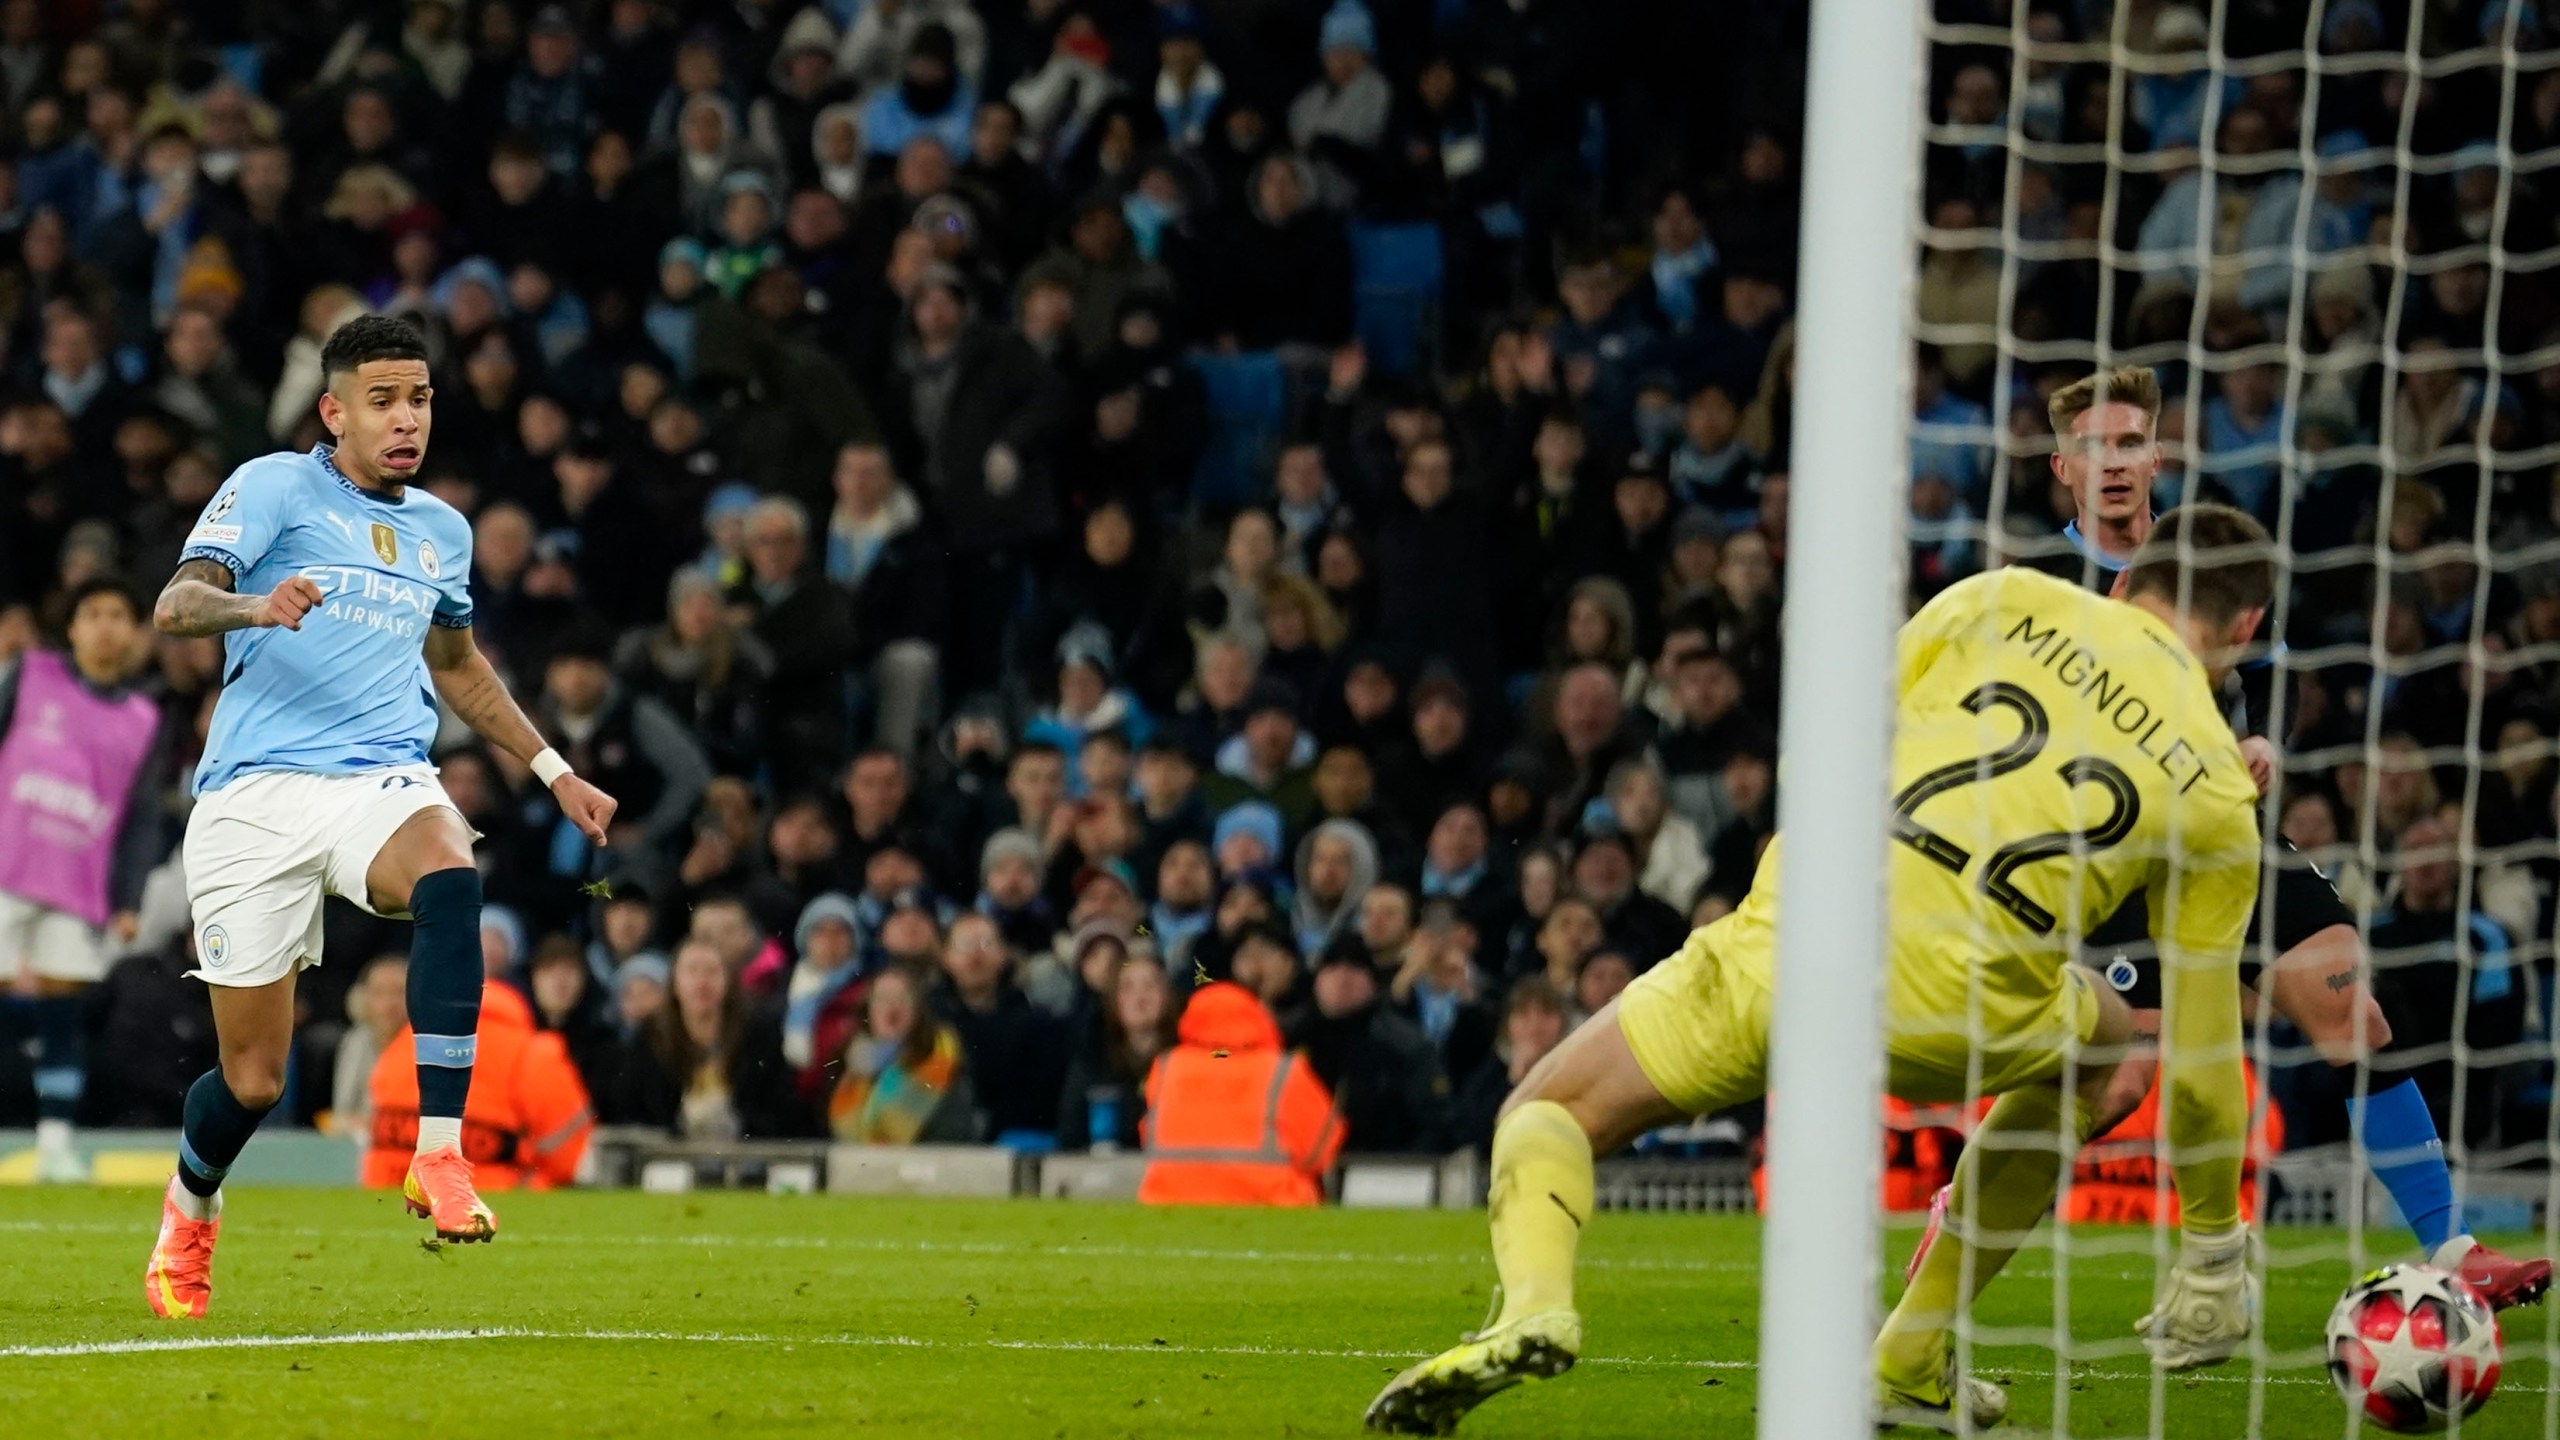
(2209, 1305)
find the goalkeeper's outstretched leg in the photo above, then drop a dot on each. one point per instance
(1588, 1097)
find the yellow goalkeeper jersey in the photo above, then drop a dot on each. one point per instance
(2056, 753)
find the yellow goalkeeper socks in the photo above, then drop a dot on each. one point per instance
(2003, 1186)
(1541, 1197)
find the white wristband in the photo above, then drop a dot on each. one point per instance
(548, 767)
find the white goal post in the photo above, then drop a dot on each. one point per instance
(1819, 1251)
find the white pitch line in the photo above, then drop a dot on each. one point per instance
(867, 1245)
(187, 1343)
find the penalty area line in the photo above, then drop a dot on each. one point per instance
(181, 1344)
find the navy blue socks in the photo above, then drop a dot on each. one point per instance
(217, 1125)
(444, 988)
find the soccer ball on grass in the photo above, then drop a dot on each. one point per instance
(2410, 1347)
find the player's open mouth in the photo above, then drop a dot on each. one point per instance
(401, 456)
(2116, 492)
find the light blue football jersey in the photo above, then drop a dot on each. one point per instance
(349, 690)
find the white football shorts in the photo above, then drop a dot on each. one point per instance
(55, 944)
(263, 851)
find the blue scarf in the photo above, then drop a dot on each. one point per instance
(1435, 883)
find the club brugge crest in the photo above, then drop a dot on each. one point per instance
(427, 560)
(2121, 974)
(386, 544)
(215, 944)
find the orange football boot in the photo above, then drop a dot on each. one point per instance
(439, 1189)
(179, 1280)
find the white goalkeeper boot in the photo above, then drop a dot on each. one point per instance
(2209, 1306)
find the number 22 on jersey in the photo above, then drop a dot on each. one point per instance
(1998, 876)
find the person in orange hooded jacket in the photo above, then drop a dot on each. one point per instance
(1232, 1118)
(526, 1122)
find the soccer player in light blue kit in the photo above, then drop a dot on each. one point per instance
(343, 599)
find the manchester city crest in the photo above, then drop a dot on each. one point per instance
(428, 561)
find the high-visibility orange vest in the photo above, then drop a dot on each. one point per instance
(1232, 1119)
(2116, 1180)
(526, 1122)
(1920, 1150)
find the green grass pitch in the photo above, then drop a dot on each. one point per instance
(728, 1314)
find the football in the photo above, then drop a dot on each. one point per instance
(2411, 1347)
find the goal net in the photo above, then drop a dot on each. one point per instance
(2332, 228)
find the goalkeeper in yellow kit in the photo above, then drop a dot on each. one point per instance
(2055, 754)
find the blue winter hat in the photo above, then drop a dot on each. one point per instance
(735, 498)
(1347, 26)
(1086, 643)
(746, 182)
(1251, 817)
(647, 965)
(683, 249)
(478, 270)
(834, 905)
(509, 928)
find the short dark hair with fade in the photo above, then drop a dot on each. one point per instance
(367, 338)
(2211, 560)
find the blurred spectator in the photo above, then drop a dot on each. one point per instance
(807, 625)
(570, 1002)
(2448, 972)
(906, 1080)
(706, 669)
(1106, 1078)
(1015, 1052)
(1671, 859)
(1268, 762)
(1534, 1022)
(879, 551)
(703, 1067)
(628, 743)
(978, 412)
(1337, 863)
(1439, 987)
(377, 1009)
(821, 1001)
(1383, 1071)
(1232, 1118)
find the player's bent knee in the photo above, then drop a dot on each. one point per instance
(256, 1084)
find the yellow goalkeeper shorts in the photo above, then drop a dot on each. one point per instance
(1698, 1026)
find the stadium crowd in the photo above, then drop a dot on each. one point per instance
(1036, 507)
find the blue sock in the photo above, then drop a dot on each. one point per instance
(2401, 1147)
(444, 987)
(60, 1077)
(217, 1125)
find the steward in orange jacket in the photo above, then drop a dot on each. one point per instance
(2116, 1179)
(526, 1122)
(1233, 1119)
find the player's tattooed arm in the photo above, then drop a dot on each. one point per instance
(469, 684)
(198, 600)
